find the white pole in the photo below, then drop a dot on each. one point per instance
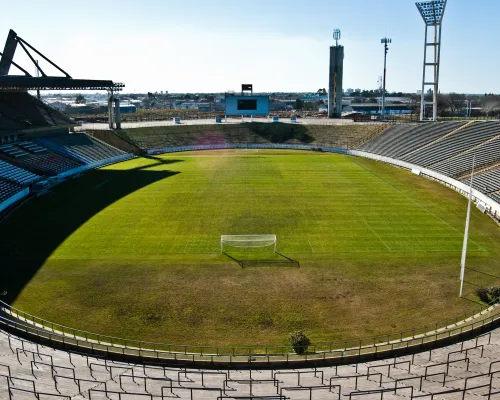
(466, 234)
(422, 98)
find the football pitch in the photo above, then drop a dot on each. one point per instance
(133, 249)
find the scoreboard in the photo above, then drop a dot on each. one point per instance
(247, 105)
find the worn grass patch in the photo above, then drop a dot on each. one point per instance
(132, 250)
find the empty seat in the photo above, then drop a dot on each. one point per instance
(80, 147)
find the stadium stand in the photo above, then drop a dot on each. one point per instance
(487, 181)
(453, 144)
(43, 162)
(402, 139)
(459, 164)
(20, 110)
(80, 147)
(16, 174)
(468, 369)
(8, 189)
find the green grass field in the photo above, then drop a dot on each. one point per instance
(133, 250)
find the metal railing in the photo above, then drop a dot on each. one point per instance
(20, 321)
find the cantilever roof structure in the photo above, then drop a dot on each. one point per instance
(432, 11)
(44, 82)
(16, 82)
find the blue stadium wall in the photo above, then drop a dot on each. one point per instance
(261, 109)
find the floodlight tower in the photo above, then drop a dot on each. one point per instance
(432, 12)
(335, 77)
(385, 42)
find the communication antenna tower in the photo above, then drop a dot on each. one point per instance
(336, 36)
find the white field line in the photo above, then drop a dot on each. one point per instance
(310, 245)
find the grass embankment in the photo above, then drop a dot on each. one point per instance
(132, 250)
(343, 136)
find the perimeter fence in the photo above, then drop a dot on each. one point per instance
(404, 342)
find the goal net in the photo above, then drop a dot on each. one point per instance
(247, 241)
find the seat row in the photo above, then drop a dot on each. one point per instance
(8, 189)
(80, 147)
(405, 138)
(451, 145)
(16, 174)
(485, 154)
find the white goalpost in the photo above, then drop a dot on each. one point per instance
(247, 241)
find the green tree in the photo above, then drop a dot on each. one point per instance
(299, 342)
(80, 99)
(299, 104)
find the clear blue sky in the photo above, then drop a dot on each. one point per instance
(278, 45)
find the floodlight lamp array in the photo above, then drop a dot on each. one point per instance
(432, 11)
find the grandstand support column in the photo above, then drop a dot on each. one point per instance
(118, 122)
(110, 111)
(432, 12)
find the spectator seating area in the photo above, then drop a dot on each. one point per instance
(48, 163)
(17, 175)
(466, 370)
(488, 182)
(29, 155)
(457, 165)
(8, 189)
(453, 144)
(402, 139)
(448, 148)
(20, 110)
(80, 147)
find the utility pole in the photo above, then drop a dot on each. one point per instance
(385, 42)
(466, 234)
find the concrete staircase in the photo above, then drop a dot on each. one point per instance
(469, 369)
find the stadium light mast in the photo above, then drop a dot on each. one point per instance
(466, 234)
(432, 13)
(385, 42)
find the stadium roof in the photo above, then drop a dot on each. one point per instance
(14, 82)
(432, 11)
(29, 82)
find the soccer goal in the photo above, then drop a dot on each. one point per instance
(247, 241)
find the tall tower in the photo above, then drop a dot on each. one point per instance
(335, 78)
(432, 13)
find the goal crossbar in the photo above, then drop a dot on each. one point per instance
(247, 241)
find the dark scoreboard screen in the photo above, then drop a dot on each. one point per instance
(247, 105)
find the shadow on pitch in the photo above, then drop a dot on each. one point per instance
(279, 261)
(156, 162)
(281, 133)
(37, 228)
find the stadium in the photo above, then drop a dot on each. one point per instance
(175, 260)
